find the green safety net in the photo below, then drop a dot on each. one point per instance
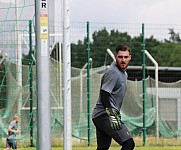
(15, 94)
(132, 109)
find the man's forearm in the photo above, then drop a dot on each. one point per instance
(105, 99)
(11, 130)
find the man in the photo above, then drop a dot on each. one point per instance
(106, 114)
(12, 131)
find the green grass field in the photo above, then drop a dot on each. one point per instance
(57, 144)
(115, 148)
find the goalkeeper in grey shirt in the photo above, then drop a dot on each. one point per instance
(106, 114)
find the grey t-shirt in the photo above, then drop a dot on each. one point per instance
(114, 81)
(13, 126)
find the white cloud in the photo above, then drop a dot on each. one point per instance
(129, 11)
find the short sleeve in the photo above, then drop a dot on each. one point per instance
(12, 125)
(109, 81)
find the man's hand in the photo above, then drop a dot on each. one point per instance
(114, 118)
(17, 131)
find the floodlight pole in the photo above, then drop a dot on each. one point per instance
(18, 60)
(67, 77)
(43, 75)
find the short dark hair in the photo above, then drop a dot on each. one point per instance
(123, 47)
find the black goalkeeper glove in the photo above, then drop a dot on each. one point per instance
(114, 118)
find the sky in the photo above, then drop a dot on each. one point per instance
(113, 11)
(126, 11)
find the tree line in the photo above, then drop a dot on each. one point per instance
(166, 52)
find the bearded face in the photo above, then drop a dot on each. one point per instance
(122, 59)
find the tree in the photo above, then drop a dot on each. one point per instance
(136, 48)
(174, 37)
(102, 40)
(168, 54)
(78, 54)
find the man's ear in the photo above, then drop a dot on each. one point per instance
(129, 57)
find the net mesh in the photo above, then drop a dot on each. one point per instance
(132, 109)
(16, 89)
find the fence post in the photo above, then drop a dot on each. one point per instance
(144, 86)
(88, 82)
(31, 87)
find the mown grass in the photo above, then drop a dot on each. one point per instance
(113, 148)
(151, 144)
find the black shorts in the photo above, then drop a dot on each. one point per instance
(11, 143)
(105, 133)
